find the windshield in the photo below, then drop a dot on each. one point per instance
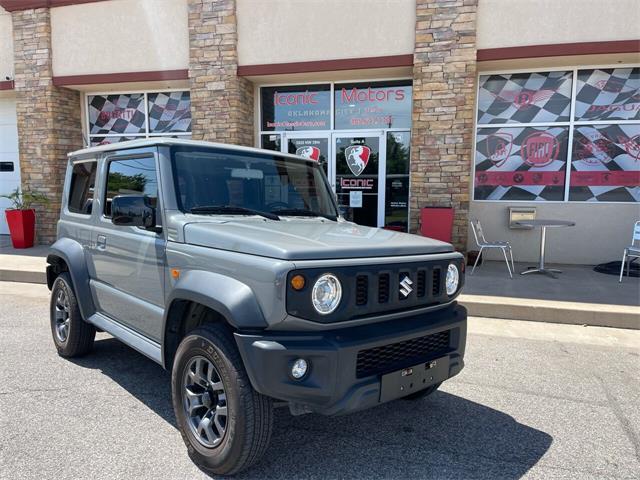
(216, 181)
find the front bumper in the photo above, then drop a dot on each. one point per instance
(337, 382)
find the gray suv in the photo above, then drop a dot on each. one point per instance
(233, 268)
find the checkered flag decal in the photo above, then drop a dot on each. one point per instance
(116, 114)
(169, 112)
(608, 94)
(524, 98)
(606, 163)
(524, 163)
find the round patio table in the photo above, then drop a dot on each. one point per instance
(543, 224)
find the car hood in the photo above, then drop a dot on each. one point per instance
(308, 240)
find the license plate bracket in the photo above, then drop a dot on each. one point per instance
(409, 380)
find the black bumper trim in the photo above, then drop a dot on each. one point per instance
(331, 387)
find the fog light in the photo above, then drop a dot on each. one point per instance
(299, 368)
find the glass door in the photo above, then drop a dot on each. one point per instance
(309, 145)
(359, 164)
(396, 206)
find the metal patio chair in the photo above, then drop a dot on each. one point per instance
(483, 243)
(632, 250)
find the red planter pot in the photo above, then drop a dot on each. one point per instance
(22, 227)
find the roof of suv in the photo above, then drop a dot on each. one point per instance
(150, 142)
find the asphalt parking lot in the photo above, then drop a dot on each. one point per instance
(535, 401)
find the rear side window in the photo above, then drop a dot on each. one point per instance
(132, 176)
(83, 179)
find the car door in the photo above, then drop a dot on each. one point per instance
(129, 262)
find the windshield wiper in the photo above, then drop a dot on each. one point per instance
(232, 210)
(302, 212)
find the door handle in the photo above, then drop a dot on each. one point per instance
(101, 242)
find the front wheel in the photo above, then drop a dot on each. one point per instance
(225, 424)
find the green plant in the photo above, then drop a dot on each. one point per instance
(24, 199)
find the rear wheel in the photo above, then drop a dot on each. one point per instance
(225, 424)
(72, 336)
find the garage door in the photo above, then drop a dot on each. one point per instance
(9, 164)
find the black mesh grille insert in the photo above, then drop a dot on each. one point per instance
(388, 358)
(435, 289)
(362, 288)
(422, 283)
(383, 288)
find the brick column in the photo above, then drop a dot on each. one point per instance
(443, 108)
(221, 102)
(49, 124)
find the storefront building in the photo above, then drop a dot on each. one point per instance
(479, 105)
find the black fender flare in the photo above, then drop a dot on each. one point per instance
(232, 299)
(73, 255)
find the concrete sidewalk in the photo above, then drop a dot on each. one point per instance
(22, 265)
(578, 296)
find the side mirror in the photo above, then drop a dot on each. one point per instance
(134, 211)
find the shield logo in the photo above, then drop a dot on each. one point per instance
(499, 148)
(357, 157)
(540, 149)
(312, 153)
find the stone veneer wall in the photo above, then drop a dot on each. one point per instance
(444, 75)
(49, 124)
(221, 102)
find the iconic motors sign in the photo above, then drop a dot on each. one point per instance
(373, 105)
(356, 106)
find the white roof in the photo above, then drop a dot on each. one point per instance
(150, 142)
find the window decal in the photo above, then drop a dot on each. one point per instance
(606, 163)
(524, 97)
(116, 114)
(520, 163)
(169, 112)
(608, 94)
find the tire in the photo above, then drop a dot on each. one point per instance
(244, 430)
(72, 336)
(422, 393)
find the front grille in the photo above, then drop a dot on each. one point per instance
(362, 290)
(383, 288)
(388, 358)
(422, 283)
(435, 289)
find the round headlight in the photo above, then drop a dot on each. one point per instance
(326, 294)
(453, 277)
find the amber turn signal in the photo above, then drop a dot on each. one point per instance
(175, 273)
(297, 282)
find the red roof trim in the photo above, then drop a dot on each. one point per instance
(559, 50)
(326, 65)
(17, 5)
(151, 76)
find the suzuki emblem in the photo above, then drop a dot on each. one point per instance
(405, 286)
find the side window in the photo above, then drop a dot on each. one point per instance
(133, 176)
(81, 190)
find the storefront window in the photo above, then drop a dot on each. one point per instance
(608, 94)
(117, 114)
(523, 128)
(520, 163)
(373, 105)
(270, 141)
(115, 118)
(169, 112)
(606, 163)
(524, 98)
(293, 108)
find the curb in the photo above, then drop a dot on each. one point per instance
(572, 313)
(23, 276)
